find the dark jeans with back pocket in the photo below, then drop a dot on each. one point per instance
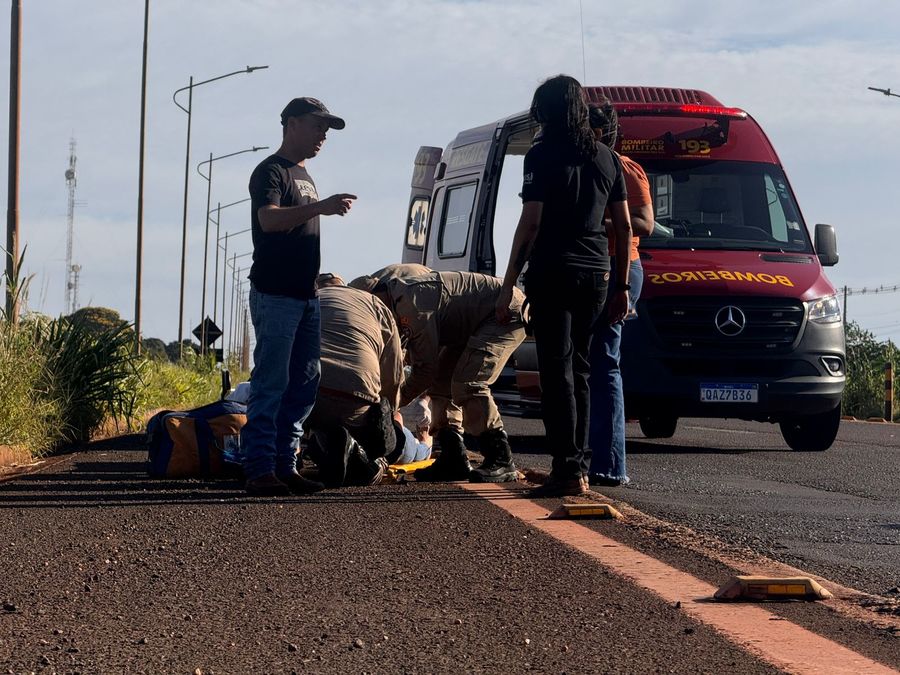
(564, 308)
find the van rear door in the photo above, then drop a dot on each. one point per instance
(416, 231)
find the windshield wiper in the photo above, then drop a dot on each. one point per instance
(681, 243)
(768, 248)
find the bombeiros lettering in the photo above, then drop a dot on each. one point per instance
(688, 276)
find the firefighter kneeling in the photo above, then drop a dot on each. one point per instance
(457, 349)
(353, 432)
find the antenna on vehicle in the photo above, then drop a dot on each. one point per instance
(583, 60)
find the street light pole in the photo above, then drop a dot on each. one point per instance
(224, 265)
(205, 256)
(235, 280)
(216, 272)
(231, 305)
(208, 178)
(138, 270)
(187, 172)
(187, 167)
(219, 208)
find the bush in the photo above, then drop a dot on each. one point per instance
(31, 417)
(154, 348)
(866, 359)
(97, 320)
(187, 350)
(95, 373)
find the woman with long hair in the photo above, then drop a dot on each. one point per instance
(569, 181)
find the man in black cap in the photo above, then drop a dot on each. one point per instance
(285, 214)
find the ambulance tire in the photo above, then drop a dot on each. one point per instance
(662, 426)
(812, 433)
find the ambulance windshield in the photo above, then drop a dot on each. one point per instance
(721, 204)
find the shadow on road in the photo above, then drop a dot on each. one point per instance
(110, 483)
(112, 472)
(645, 447)
(537, 445)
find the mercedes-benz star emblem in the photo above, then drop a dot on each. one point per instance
(731, 321)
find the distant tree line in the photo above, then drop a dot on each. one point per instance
(98, 320)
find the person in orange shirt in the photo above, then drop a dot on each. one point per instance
(607, 425)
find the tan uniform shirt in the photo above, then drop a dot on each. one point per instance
(400, 271)
(440, 309)
(361, 353)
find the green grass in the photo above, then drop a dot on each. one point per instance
(176, 386)
(31, 416)
(62, 383)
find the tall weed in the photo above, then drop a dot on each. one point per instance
(31, 418)
(94, 377)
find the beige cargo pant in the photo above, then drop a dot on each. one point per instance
(337, 409)
(461, 395)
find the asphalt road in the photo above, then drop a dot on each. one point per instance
(834, 513)
(104, 570)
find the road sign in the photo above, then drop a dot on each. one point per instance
(213, 332)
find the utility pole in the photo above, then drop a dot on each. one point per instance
(845, 305)
(12, 204)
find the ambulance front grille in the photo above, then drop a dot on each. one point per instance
(751, 326)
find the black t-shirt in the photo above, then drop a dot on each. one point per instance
(284, 263)
(574, 193)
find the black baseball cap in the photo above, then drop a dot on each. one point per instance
(310, 106)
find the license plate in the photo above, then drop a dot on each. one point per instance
(729, 393)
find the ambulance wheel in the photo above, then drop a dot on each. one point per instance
(812, 433)
(661, 426)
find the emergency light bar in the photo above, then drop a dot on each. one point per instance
(684, 110)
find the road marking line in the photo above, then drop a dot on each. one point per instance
(849, 602)
(779, 642)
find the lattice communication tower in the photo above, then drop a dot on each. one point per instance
(73, 271)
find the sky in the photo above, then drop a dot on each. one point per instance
(405, 73)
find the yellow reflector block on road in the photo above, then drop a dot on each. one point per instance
(772, 588)
(600, 511)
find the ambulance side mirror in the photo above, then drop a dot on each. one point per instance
(826, 245)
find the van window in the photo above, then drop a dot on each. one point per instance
(776, 211)
(417, 223)
(723, 205)
(455, 222)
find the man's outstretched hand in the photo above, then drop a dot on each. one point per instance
(336, 205)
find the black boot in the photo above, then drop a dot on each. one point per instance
(453, 462)
(331, 450)
(361, 470)
(498, 464)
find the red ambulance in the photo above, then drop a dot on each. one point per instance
(736, 317)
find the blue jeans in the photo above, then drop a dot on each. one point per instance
(284, 381)
(607, 430)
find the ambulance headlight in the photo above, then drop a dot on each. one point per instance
(825, 310)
